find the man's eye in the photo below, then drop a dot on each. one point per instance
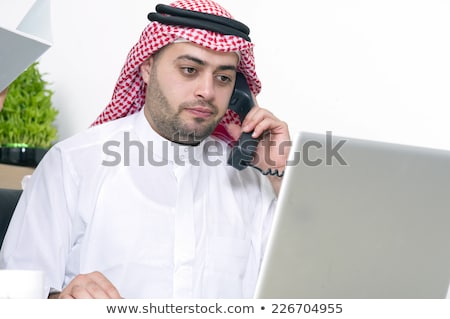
(188, 70)
(223, 78)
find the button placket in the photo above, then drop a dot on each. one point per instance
(184, 241)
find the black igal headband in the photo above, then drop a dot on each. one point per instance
(187, 18)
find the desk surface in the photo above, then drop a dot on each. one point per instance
(11, 176)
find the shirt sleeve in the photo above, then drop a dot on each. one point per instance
(261, 230)
(38, 236)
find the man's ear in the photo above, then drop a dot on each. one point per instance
(145, 69)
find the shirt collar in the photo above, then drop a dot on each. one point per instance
(162, 148)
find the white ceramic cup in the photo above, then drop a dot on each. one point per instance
(22, 284)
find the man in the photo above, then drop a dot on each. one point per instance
(145, 206)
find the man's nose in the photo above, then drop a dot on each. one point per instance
(205, 87)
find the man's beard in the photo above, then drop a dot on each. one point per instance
(167, 121)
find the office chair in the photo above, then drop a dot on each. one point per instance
(8, 202)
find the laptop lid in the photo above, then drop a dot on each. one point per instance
(360, 219)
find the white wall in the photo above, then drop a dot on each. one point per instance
(369, 69)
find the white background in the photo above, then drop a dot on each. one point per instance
(369, 69)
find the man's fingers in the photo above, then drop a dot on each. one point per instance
(106, 287)
(90, 286)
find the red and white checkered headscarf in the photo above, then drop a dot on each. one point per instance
(129, 93)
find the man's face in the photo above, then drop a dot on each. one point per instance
(188, 90)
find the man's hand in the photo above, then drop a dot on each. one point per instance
(275, 142)
(89, 286)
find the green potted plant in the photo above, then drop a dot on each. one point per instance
(27, 127)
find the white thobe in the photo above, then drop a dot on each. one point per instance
(158, 219)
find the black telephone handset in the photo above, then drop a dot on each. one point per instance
(241, 102)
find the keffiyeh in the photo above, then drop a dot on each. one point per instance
(129, 93)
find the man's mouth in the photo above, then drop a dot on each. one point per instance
(200, 111)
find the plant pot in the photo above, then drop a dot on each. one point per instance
(21, 155)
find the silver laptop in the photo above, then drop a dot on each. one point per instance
(360, 219)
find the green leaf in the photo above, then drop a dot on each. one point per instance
(28, 114)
